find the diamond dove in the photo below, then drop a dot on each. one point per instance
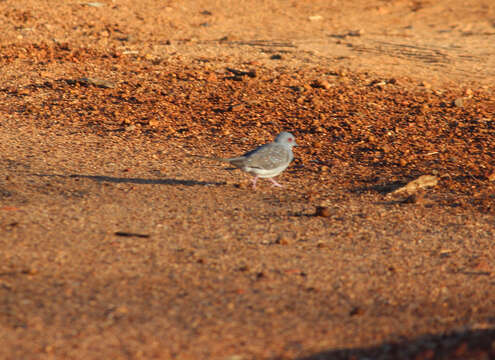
(266, 161)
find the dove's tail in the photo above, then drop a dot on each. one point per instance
(237, 161)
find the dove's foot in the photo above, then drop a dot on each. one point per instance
(274, 182)
(253, 180)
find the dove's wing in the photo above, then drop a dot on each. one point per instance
(268, 157)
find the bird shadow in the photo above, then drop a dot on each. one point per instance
(135, 180)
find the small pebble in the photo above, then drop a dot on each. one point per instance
(322, 211)
(315, 18)
(321, 84)
(459, 102)
(95, 4)
(282, 240)
(426, 85)
(97, 82)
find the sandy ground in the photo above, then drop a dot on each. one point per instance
(115, 243)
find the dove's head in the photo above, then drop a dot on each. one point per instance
(286, 138)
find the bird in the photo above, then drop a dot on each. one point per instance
(266, 161)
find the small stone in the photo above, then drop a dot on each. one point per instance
(358, 32)
(276, 57)
(236, 107)
(415, 185)
(315, 18)
(97, 82)
(297, 88)
(321, 84)
(459, 102)
(378, 83)
(426, 85)
(236, 72)
(282, 240)
(322, 211)
(95, 4)
(29, 271)
(356, 311)
(121, 310)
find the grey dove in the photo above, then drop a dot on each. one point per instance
(266, 161)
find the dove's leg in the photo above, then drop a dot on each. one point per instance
(253, 180)
(274, 182)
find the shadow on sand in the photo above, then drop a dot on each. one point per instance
(123, 180)
(470, 344)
